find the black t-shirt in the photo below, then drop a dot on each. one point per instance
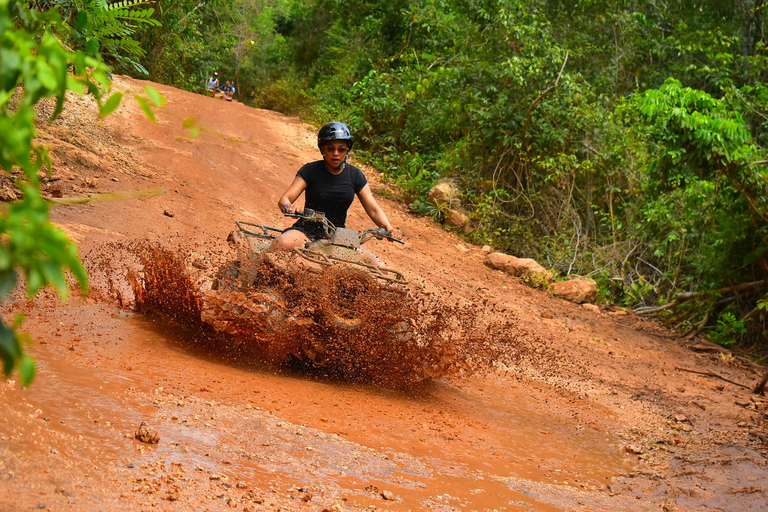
(329, 193)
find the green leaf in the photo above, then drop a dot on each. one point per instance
(81, 21)
(188, 122)
(92, 46)
(111, 104)
(194, 132)
(7, 282)
(154, 96)
(26, 370)
(10, 350)
(147, 111)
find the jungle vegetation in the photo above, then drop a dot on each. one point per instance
(623, 140)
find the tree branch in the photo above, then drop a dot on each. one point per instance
(710, 373)
(544, 93)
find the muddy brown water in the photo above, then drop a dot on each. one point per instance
(568, 393)
(450, 443)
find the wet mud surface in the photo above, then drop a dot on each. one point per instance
(467, 391)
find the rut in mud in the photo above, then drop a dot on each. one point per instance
(407, 336)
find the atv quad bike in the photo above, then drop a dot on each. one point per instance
(329, 283)
(326, 304)
(345, 274)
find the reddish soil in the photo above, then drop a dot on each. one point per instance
(596, 413)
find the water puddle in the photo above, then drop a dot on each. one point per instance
(447, 444)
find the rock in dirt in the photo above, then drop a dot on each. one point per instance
(447, 192)
(168, 213)
(456, 218)
(516, 266)
(336, 507)
(578, 290)
(591, 307)
(633, 448)
(388, 495)
(710, 348)
(85, 158)
(147, 434)
(8, 192)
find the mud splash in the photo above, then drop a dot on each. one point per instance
(342, 327)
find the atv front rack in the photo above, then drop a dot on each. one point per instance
(265, 231)
(325, 260)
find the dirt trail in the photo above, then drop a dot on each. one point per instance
(594, 415)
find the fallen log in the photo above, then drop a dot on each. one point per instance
(684, 296)
(710, 373)
(761, 387)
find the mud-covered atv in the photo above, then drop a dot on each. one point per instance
(347, 277)
(329, 282)
(329, 304)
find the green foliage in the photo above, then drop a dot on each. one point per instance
(559, 118)
(728, 329)
(101, 27)
(35, 65)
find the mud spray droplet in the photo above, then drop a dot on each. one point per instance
(339, 324)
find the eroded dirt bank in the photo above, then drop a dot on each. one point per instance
(595, 415)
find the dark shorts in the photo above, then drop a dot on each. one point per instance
(312, 230)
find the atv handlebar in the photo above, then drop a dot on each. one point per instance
(315, 216)
(379, 233)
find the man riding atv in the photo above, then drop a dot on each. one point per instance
(330, 186)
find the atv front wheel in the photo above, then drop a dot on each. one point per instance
(346, 296)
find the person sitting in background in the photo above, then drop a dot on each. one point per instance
(213, 82)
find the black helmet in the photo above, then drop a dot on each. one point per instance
(334, 131)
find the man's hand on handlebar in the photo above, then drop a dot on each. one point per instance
(289, 208)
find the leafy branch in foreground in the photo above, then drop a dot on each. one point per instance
(35, 65)
(99, 26)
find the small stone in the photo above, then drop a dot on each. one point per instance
(516, 266)
(388, 495)
(680, 418)
(578, 290)
(456, 218)
(168, 213)
(743, 403)
(371, 489)
(591, 307)
(547, 314)
(92, 182)
(116, 180)
(742, 424)
(336, 507)
(487, 248)
(633, 448)
(446, 192)
(147, 434)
